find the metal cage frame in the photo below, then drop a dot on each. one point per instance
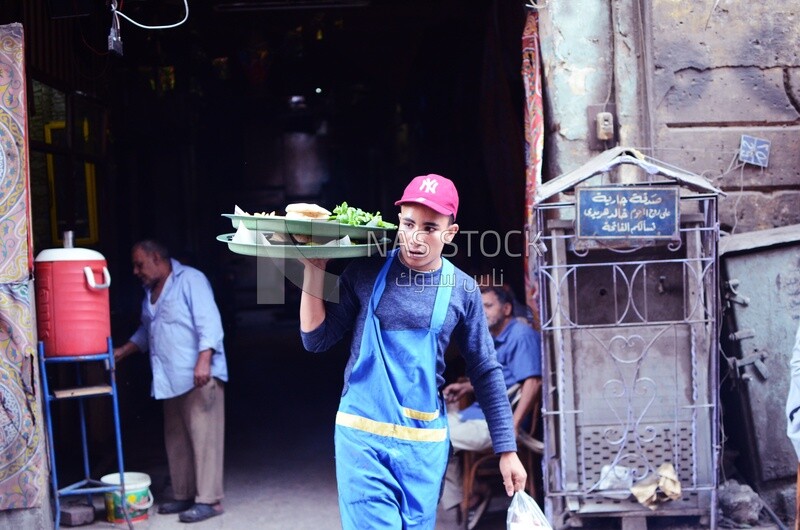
(630, 384)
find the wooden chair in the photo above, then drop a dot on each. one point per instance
(484, 463)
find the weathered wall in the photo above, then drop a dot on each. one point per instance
(688, 79)
(721, 73)
(576, 49)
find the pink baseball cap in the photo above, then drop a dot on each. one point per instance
(434, 191)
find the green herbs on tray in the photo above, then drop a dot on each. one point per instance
(349, 215)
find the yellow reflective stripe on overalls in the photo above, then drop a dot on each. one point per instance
(390, 430)
(419, 415)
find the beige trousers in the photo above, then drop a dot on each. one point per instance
(470, 435)
(194, 433)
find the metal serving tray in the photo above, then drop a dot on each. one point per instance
(306, 251)
(331, 229)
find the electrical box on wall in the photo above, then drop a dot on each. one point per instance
(605, 125)
(602, 126)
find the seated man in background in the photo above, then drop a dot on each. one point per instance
(518, 352)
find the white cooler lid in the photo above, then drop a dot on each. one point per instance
(68, 254)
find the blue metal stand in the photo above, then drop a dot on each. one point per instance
(87, 486)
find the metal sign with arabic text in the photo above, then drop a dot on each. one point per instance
(625, 212)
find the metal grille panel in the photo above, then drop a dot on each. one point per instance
(666, 444)
(630, 366)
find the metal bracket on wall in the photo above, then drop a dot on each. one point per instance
(737, 299)
(757, 360)
(732, 293)
(746, 333)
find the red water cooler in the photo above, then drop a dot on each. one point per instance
(72, 307)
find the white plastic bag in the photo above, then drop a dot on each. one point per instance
(525, 514)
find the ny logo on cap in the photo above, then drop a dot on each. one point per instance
(429, 185)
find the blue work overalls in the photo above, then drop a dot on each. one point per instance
(391, 433)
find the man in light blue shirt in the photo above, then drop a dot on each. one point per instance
(181, 329)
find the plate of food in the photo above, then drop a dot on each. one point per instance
(305, 219)
(341, 248)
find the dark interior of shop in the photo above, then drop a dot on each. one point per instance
(261, 103)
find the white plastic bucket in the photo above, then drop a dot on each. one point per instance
(137, 497)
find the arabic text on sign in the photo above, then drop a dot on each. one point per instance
(625, 212)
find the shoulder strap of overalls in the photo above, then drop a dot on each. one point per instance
(447, 280)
